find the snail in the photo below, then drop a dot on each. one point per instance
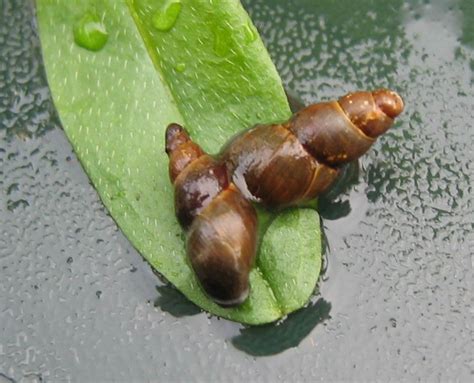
(221, 224)
(286, 164)
(277, 165)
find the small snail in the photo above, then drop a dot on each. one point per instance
(285, 164)
(278, 165)
(221, 223)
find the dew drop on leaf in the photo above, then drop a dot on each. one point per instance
(165, 18)
(90, 33)
(180, 67)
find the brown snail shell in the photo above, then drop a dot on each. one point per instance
(221, 223)
(286, 164)
(221, 247)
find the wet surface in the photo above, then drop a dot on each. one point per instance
(78, 303)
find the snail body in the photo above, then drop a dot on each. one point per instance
(278, 165)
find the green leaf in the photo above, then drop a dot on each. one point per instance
(201, 65)
(292, 278)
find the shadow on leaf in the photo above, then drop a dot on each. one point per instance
(275, 338)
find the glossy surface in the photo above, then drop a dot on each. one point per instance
(90, 32)
(221, 247)
(77, 302)
(180, 149)
(372, 112)
(255, 160)
(271, 166)
(197, 185)
(165, 18)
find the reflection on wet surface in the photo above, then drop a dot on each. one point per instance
(399, 228)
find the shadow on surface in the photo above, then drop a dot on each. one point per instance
(275, 338)
(175, 303)
(335, 203)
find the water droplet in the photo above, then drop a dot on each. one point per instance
(222, 41)
(165, 18)
(90, 32)
(180, 67)
(250, 33)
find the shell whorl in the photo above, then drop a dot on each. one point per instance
(338, 132)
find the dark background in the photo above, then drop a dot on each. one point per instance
(78, 303)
